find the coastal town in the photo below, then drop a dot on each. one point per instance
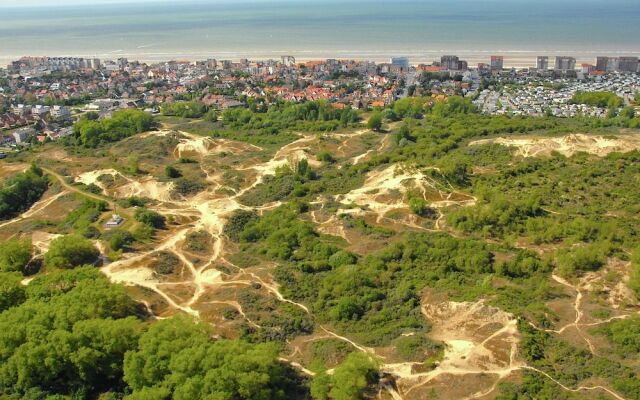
(40, 97)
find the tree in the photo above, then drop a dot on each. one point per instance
(91, 132)
(172, 172)
(150, 217)
(15, 255)
(84, 327)
(375, 121)
(420, 207)
(12, 291)
(634, 278)
(120, 239)
(176, 358)
(19, 192)
(211, 116)
(351, 378)
(70, 251)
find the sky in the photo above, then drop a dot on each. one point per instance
(35, 3)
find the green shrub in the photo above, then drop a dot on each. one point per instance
(15, 255)
(70, 251)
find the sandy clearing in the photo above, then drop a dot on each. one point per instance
(567, 145)
(9, 169)
(385, 190)
(42, 240)
(92, 177)
(204, 145)
(146, 187)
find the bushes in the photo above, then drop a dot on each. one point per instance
(288, 181)
(185, 187)
(237, 222)
(83, 327)
(570, 365)
(12, 292)
(525, 264)
(597, 99)
(350, 380)
(198, 241)
(452, 106)
(498, 216)
(420, 207)
(122, 124)
(307, 116)
(184, 109)
(177, 359)
(70, 251)
(634, 276)
(15, 255)
(165, 263)
(18, 193)
(150, 218)
(375, 122)
(119, 239)
(172, 172)
(625, 336)
(417, 348)
(83, 216)
(582, 258)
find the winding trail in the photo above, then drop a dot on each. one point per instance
(464, 355)
(35, 208)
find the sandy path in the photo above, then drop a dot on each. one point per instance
(579, 289)
(35, 208)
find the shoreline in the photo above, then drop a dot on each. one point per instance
(512, 58)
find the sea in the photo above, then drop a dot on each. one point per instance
(421, 30)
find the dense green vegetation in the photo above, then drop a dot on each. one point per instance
(150, 217)
(531, 216)
(18, 193)
(82, 220)
(70, 251)
(377, 298)
(15, 255)
(350, 380)
(176, 359)
(597, 99)
(91, 132)
(571, 365)
(67, 335)
(74, 334)
(625, 336)
(184, 109)
(308, 116)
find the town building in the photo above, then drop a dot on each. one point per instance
(497, 63)
(23, 135)
(402, 62)
(628, 64)
(542, 63)
(564, 63)
(451, 63)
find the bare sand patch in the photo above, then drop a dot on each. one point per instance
(599, 145)
(202, 145)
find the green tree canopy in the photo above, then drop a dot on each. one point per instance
(15, 255)
(177, 359)
(12, 292)
(18, 193)
(69, 336)
(70, 251)
(375, 121)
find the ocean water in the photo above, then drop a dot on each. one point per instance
(363, 29)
